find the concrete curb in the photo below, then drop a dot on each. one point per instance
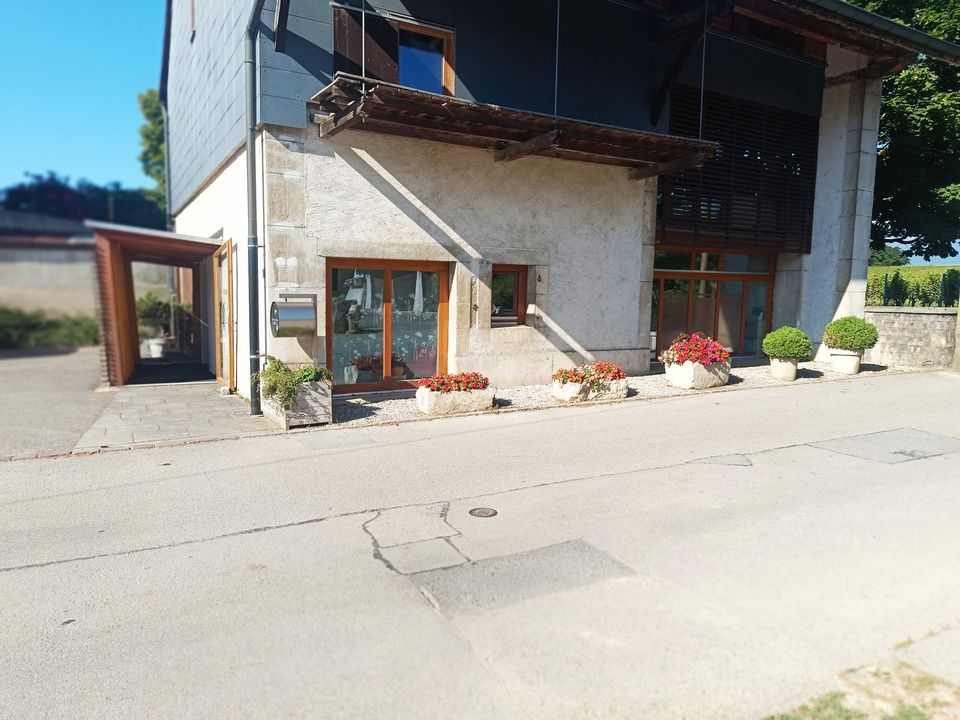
(180, 442)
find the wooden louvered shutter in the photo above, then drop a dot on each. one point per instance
(382, 45)
(757, 193)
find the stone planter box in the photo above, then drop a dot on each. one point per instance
(313, 406)
(578, 392)
(846, 361)
(784, 368)
(694, 376)
(430, 402)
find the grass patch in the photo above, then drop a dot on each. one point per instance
(826, 707)
(831, 707)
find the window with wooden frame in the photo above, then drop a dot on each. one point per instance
(406, 52)
(508, 295)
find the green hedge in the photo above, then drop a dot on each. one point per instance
(917, 285)
(24, 329)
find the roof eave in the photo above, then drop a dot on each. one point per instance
(883, 28)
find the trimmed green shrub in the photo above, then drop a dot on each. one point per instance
(22, 329)
(850, 333)
(787, 342)
(279, 381)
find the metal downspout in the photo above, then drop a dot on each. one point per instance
(166, 167)
(253, 264)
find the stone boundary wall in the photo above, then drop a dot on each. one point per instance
(913, 336)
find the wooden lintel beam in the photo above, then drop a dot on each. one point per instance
(873, 71)
(333, 124)
(532, 146)
(667, 168)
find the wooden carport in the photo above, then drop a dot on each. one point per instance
(117, 246)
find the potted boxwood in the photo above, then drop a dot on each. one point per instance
(451, 393)
(847, 338)
(296, 396)
(785, 347)
(696, 362)
(595, 381)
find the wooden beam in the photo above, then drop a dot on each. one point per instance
(333, 124)
(659, 101)
(280, 16)
(532, 146)
(685, 22)
(667, 168)
(874, 71)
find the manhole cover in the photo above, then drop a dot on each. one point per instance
(483, 512)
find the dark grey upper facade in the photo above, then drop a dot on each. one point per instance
(592, 60)
(505, 54)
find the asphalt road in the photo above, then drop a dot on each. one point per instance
(712, 556)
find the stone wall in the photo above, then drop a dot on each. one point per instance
(585, 233)
(913, 336)
(60, 281)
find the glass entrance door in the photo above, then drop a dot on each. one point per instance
(726, 296)
(386, 324)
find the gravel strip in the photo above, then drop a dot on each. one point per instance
(389, 408)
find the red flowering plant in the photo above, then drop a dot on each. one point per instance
(596, 375)
(455, 382)
(697, 348)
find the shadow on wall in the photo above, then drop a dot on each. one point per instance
(521, 213)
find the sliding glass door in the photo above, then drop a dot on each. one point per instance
(386, 323)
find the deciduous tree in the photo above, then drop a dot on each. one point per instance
(917, 200)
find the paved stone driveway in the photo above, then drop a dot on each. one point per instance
(167, 413)
(49, 399)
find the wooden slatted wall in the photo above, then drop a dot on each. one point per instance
(757, 193)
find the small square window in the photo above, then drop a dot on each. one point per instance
(508, 295)
(425, 59)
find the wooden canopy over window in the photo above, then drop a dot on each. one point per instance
(116, 247)
(394, 110)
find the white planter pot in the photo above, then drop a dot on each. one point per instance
(312, 406)
(784, 368)
(430, 402)
(846, 361)
(155, 348)
(694, 376)
(578, 392)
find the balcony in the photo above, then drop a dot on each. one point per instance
(367, 105)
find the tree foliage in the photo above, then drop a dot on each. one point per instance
(151, 137)
(917, 200)
(53, 195)
(889, 255)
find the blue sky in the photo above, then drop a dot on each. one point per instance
(71, 74)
